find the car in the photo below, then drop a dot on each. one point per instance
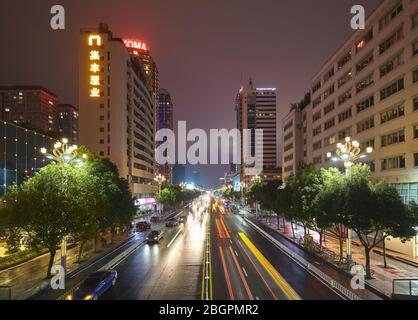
(143, 225)
(172, 223)
(94, 286)
(154, 237)
(181, 219)
(155, 218)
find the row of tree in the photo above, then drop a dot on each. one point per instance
(328, 200)
(77, 199)
(174, 196)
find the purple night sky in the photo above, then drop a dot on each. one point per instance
(202, 47)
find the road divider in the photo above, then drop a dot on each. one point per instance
(207, 269)
(274, 274)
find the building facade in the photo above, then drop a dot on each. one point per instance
(20, 154)
(368, 90)
(33, 107)
(256, 109)
(117, 108)
(164, 120)
(67, 116)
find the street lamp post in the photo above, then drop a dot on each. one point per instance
(160, 179)
(349, 152)
(64, 154)
(255, 179)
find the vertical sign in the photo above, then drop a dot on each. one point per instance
(95, 41)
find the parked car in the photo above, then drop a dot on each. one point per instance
(94, 286)
(154, 237)
(155, 218)
(143, 225)
(172, 223)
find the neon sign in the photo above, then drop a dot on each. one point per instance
(95, 67)
(135, 44)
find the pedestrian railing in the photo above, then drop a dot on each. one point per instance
(405, 287)
(323, 277)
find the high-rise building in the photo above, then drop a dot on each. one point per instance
(368, 90)
(20, 154)
(33, 107)
(164, 120)
(117, 108)
(179, 174)
(294, 138)
(256, 109)
(67, 116)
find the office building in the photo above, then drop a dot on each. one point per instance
(256, 109)
(117, 108)
(67, 116)
(368, 90)
(164, 120)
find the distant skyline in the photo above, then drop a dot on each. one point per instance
(204, 49)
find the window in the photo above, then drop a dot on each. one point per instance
(344, 133)
(316, 102)
(415, 104)
(344, 79)
(365, 125)
(392, 14)
(344, 97)
(363, 84)
(415, 128)
(415, 159)
(317, 145)
(364, 62)
(415, 75)
(329, 124)
(393, 113)
(330, 140)
(288, 125)
(392, 89)
(393, 138)
(288, 147)
(393, 163)
(316, 131)
(344, 115)
(389, 42)
(365, 104)
(362, 43)
(316, 116)
(317, 160)
(329, 92)
(391, 65)
(288, 136)
(329, 75)
(369, 143)
(329, 108)
(316, 87)
(415, 48)
(344, 60)
(288, 158)
(415, 20)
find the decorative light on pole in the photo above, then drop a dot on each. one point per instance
(349, 152)
(160, 179)
(64, 154)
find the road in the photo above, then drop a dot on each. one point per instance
(246, 266)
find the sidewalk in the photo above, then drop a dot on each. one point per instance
(28, 278)
(383, 278)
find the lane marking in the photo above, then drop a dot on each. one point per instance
(284, 286)
(247, 288)
(245, 272)
(228, 280)
(174, 238)
(258, 271)
(219, 229)
(236, 253)
(225, 229)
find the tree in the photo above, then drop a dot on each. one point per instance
(375, 211)
(166, 197)
(328, 204)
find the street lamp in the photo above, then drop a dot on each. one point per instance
(64, 154)
(160, 179)
(349, 152)
(256, 179)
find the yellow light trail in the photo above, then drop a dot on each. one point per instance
(274, 274)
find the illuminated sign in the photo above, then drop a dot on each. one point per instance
(94, 66)
(145, 201)
(135, 44)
